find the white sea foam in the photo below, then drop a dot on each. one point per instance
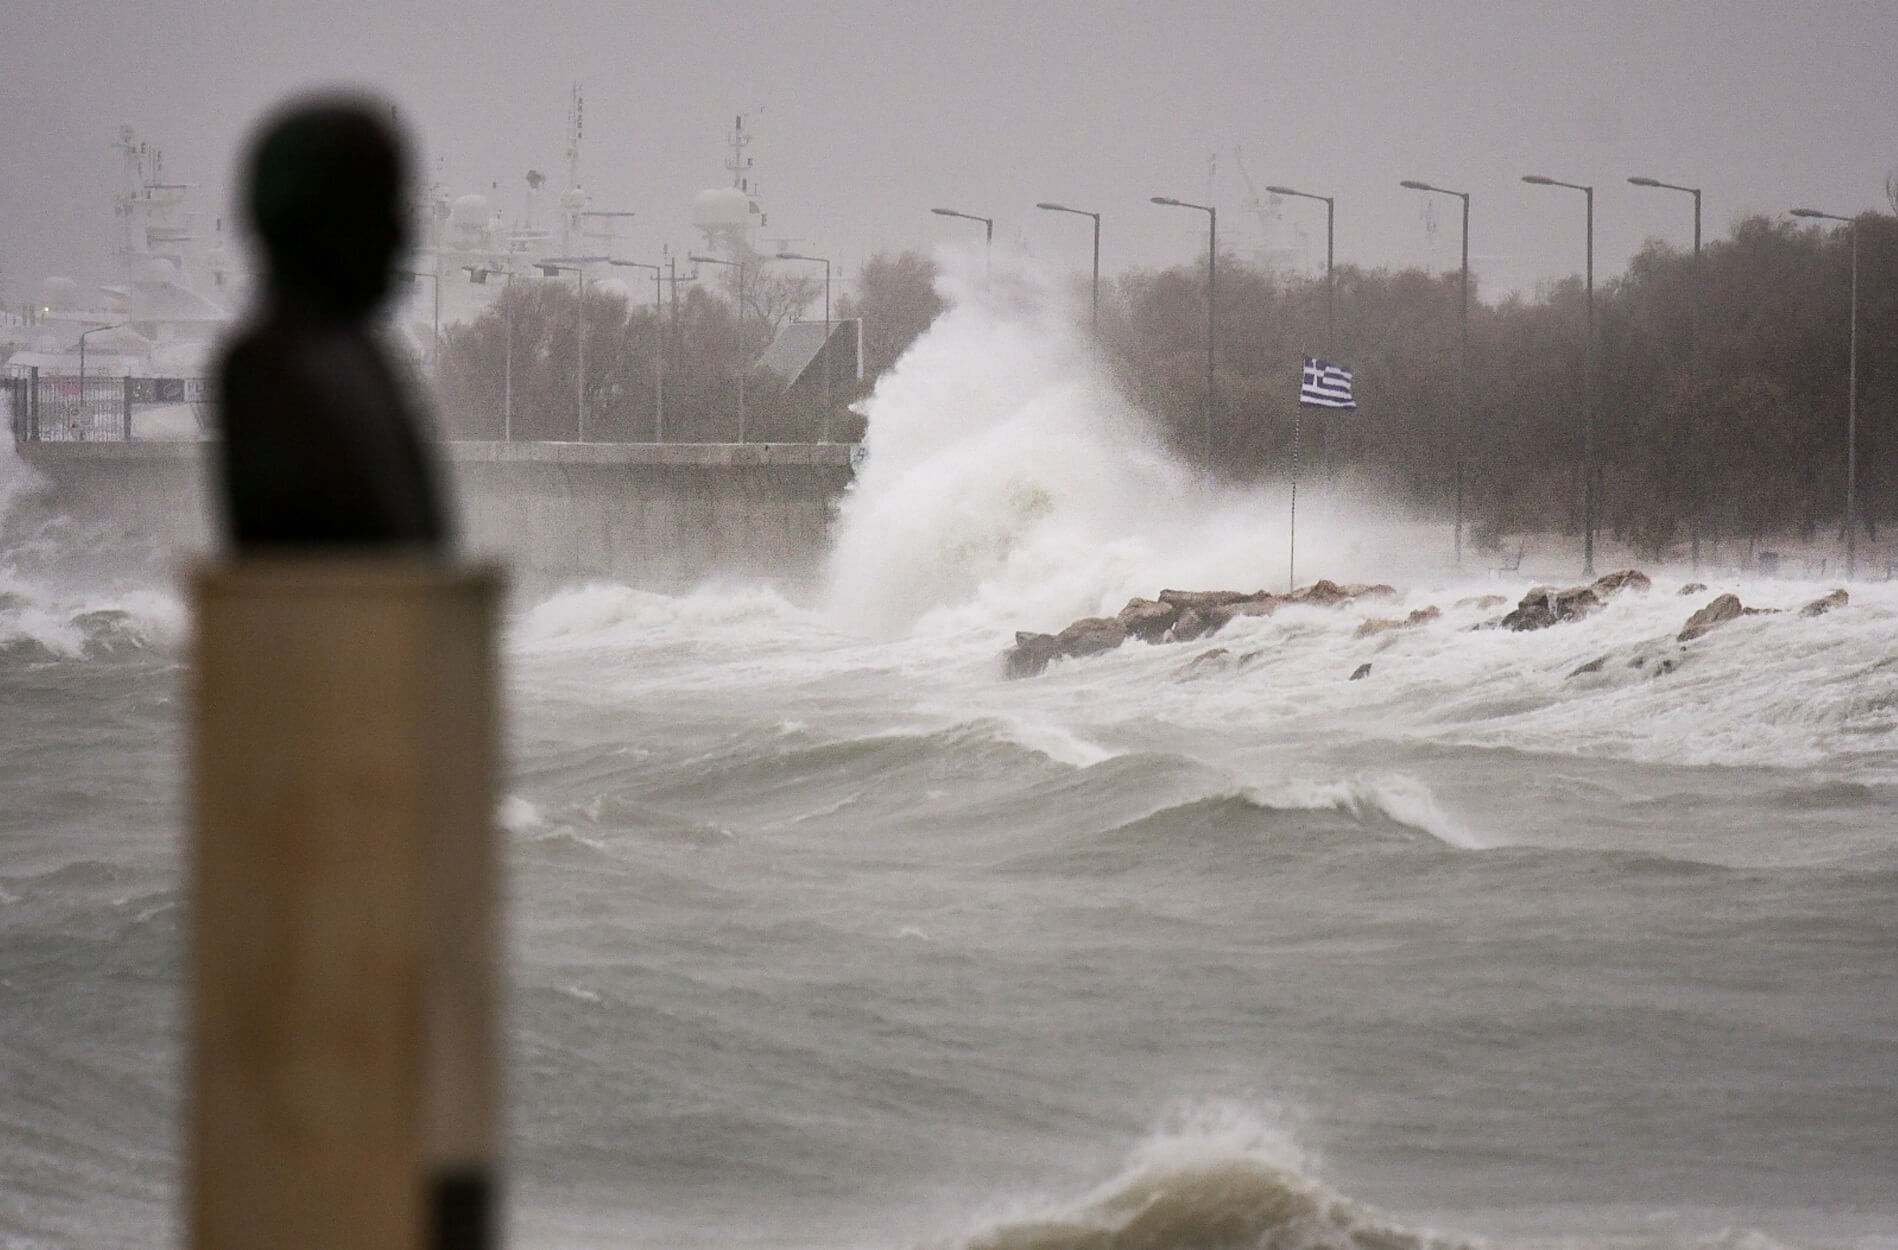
(50, 597)
(1209, 1177)
(1009, 481)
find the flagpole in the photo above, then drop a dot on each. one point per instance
(1291, 572)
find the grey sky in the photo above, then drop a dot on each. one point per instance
(868, 112)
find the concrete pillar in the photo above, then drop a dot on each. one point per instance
(343, 1082)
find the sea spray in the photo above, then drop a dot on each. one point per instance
(1010, 484)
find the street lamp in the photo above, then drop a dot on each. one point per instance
(1693, 350)
(435, 335)
(1463, 367)
(988, 233)
(1331, 205)
(479, 276)
(1851, 403)
(1588, 379)
(659, 340)
(739, 265)
(1695, 192)
(824, 428)
(82, 363)
(1212, 268)
(576, 265)
(1082, 212)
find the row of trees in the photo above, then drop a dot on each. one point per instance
(1720, 393)
(671, 368)
(1721, 396)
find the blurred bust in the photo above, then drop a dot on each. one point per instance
(322, 447)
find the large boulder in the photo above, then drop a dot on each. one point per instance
(1091, 635)
(1691, 588)
(1722, 609)
(1192, 624)
(1148, 620)
(1200, 600)
(1819, 607)
(1030, 654)
(1545, 606)
(1325, 593)
(1626, 579)
(1381, 625)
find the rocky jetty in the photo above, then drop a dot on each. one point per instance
(1176, 616)
(1184, 615)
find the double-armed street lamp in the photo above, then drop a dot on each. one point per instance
(739, 265)
(824, 424)
(1082, 212)
(988, 233)
(1588, 378)
(479, 275)
(554, 266)
(1463, 365)
(659, 341)
(1212, 268)
(1851, 401)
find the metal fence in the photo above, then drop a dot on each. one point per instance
(67, 408)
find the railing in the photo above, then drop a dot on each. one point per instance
(67, 408)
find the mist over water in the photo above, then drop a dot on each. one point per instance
(825, 935)
(1008, 481)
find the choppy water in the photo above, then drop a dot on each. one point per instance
(823, 935)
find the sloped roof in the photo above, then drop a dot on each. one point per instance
(800, 345)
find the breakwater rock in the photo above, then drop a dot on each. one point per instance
(1175, 616)
(1547, 605)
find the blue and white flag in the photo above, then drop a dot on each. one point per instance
(1326, 385)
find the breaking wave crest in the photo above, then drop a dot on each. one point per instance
(1219, 1181)
(55, 601)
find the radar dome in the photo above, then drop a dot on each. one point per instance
(157, 269)
(58, 294)
(574, 198)
(470, 212)
(615, 288)
(721, 207)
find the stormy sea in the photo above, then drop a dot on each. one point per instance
(823, 934)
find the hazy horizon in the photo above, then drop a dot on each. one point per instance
(865, 116)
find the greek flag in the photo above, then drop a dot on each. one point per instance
(1326, 385)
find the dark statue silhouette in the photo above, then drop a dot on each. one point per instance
(322, 447)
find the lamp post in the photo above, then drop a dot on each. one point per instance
(1588, 379)
(739, 265)
(576, 265)
(988, 233)
(1212, 268)
(82, 363)
(824, 426)
(1695, 192)
(479, 276)
(435, 333)
(1463, 365)
(1693, 348)
(1082, 212)
(659, 340)
(1331, 205)
(1851, 402)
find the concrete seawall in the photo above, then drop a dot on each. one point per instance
(658, 515)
